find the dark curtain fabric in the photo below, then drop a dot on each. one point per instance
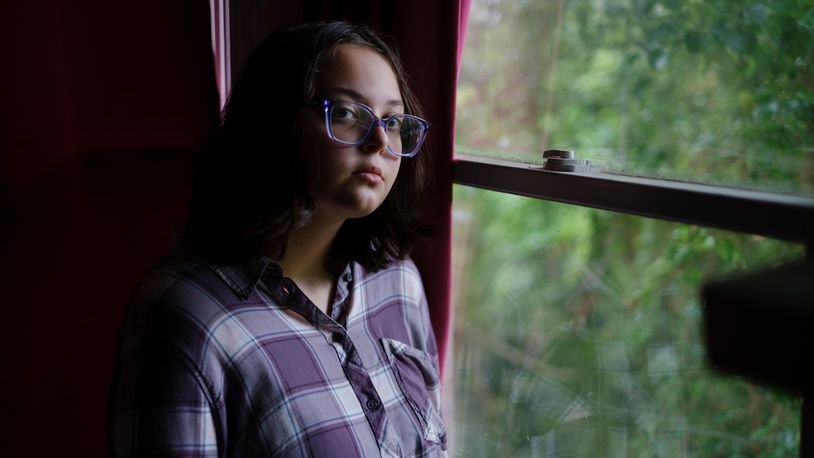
(104, 104)
(430, 35)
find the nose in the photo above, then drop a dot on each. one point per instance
(376, 141)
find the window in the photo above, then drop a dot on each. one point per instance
(714, 92)
(578, 333)
(577, 330)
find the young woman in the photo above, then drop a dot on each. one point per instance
(290, 321)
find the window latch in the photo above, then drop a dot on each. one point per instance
(557, 160)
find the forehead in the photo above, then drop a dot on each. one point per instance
(359, 69)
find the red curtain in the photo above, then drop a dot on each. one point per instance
(104, 105)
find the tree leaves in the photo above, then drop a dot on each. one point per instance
(571, 320)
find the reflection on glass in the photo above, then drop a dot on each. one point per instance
(718, 91)
(578, 333)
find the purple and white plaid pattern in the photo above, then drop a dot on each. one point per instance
(235, 361)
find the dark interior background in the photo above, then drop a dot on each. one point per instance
(104, 106)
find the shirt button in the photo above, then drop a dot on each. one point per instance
(373, 404)
(348, 277)
(287, 287)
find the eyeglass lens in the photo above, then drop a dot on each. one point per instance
(351, 123)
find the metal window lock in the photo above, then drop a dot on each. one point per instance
(557, 160)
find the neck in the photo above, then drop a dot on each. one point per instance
(306, 258)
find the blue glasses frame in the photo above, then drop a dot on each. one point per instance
(328, 104)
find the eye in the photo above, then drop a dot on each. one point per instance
(344, 113)
(393, 123)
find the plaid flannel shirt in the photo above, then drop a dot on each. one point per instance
(235, 361)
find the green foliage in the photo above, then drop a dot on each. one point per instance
(578, 331)
(580, 323)
(713, 91)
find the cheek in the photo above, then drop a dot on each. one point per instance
(395, 174)
(396, 169)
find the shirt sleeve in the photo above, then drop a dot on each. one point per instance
(161, 406)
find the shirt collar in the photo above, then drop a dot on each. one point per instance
(242, 277)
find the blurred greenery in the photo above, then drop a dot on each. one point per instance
(718, 91)
(579, 323)
(578, 331)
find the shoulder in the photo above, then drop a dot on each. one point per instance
(181, 304)
(184, 286)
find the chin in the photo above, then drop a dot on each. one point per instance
(354, 204)
(362, 206)
(362, 212)
(351, 211)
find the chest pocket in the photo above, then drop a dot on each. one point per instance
(419, 382)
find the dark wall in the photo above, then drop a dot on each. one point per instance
(104, 104)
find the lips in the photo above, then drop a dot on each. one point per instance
(370, 173)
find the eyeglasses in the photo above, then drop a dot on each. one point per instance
(351, 123)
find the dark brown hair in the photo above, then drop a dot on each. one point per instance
(250, 189)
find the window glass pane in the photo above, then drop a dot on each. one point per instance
(715, 91)
(578, 332)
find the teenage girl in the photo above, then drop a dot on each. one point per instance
(289, 321)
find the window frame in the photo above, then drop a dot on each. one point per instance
(784, 217)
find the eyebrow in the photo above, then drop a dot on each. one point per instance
(357, 96)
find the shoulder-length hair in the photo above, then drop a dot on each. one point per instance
(250, 190)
